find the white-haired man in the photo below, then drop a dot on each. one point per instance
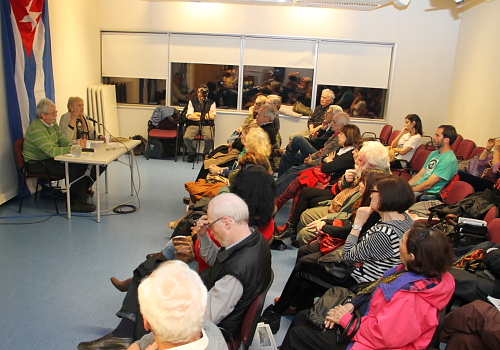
(173, 303)
(239, 271)
(372, 155)
(43, 141)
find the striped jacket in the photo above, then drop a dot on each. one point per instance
(377, 250)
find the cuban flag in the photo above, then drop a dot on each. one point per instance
(27, 60)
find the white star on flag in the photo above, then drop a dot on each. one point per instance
(31, 17)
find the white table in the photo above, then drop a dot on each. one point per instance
(103, 155)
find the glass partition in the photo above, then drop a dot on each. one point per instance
(138, 91)
(358, 102)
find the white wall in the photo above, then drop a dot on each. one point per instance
(425, 40)
(76, 48)
(475, 87)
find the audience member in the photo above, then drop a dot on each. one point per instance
(173, 302)
(178, 96)
(43, 141)
(421, 286)
(201, 115)
(475, 326)
(407, 142)
(238, 272)
(441, 165)
(358, 106)
(316, 119)
(74, 125)
(482, 171)
(300, 149)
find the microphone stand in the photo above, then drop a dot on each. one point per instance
(200, 126)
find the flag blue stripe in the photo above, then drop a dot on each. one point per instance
(47, 55)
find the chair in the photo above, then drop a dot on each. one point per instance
(465, 149)
(457, 142)
(197, 139)
(416, 163)
(476, 151)
(458, 191)
(393, 136)
(491, 214)
(250, 321)
(165, 130)
(494, 231)
(21, 166)
(385, 133)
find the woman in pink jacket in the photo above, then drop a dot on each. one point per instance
(402, 311)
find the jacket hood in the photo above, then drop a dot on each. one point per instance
(438, 296)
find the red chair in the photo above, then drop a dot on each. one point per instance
(165, 130)
(250, 321)
(385, 133)
(494, 231)
(416, 163)
(458, 191)
(393, 136)
(21, 166)
(457, 142)
(476, 151)
(491, 214)
(465, 149)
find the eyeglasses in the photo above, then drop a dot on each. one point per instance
(52, 113)
(374, 191)
(210, 225)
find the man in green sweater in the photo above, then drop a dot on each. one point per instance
(43, 141)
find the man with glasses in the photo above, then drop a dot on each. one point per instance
(44, 140)
(239, 271)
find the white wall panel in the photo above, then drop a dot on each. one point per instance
(205, 49)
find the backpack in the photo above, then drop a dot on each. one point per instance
(140, 148)
(155, 149)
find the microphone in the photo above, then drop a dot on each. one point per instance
(93, 120)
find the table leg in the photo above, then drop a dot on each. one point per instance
(98, 190)
(106, 178)
(68, 186)
(131, 164)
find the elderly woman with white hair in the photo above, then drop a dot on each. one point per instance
(73, 123)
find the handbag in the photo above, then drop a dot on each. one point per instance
(333, 297)
(328, 243)
(184, 248)
(333, 265)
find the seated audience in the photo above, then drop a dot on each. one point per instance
(300, 148)
(334, 165)
(74, 125)
(316, 119)
(400, 309)
(343, 207)
(482, 172)
(173, 311)
(200, 122)
(475, 326)
(441, 165)
(372, 155)
(238, 272)
(372, 250)
(407, 142)
(43, 141)
(178, 96)
(274, 101)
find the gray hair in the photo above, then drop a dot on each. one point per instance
(377, 155)
(43, 107)
(329, 93)
(268, 112)
(230, 205)
(276, 99)
(72, 100)
(335, 109)
(342, 118)
(173, 300)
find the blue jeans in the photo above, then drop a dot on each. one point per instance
(295, 153)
